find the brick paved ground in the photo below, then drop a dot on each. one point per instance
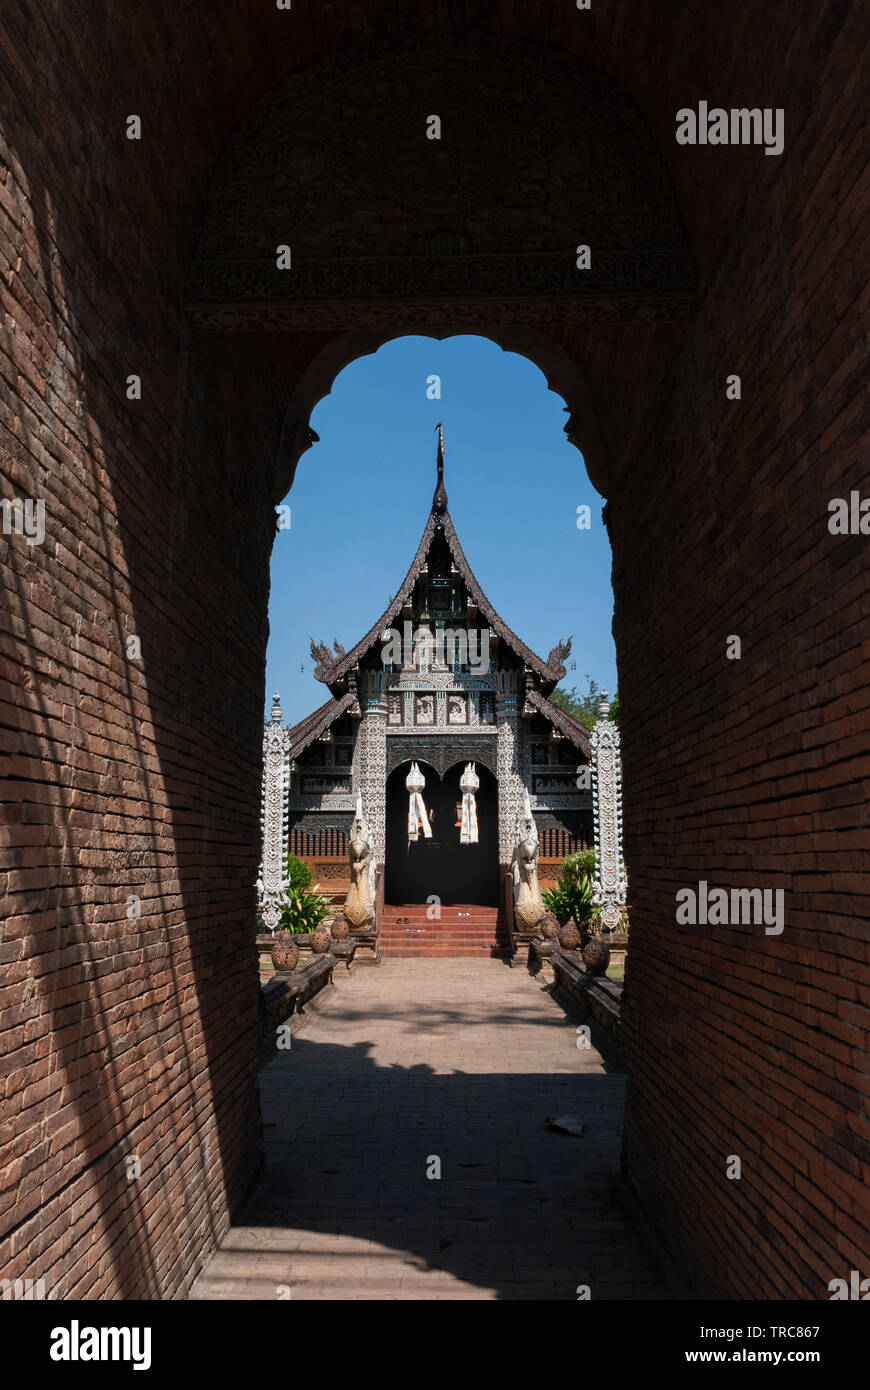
(460, 1059)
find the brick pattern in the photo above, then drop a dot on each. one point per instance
(754, 772)
(461, 1060)
(123, 779)
(461, 930)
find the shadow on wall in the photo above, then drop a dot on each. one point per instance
(136, 632)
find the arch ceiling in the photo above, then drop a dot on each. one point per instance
(475, 229)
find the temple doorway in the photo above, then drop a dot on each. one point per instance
(441, 866)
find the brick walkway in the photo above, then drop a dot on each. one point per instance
(462, 1060)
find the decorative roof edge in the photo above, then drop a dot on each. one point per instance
(333, 672)
(571, 728)
(316, 723)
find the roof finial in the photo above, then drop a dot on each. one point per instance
(439, 501)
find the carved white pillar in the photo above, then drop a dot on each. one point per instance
(609, 885)
(370, 757)
(272, 885)
(511, 787)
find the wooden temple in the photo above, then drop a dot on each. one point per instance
(439, 682)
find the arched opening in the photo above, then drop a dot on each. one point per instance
(740, 765)
(512, 557)
(441, 867)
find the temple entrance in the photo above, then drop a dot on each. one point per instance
(441, 866)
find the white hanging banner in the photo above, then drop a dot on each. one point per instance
(417, 818)
(469, 783)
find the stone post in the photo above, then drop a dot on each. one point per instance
(272, 885)
(369, 760)
(609, 883)
(509, 755)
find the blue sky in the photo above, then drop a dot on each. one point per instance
(362, 495)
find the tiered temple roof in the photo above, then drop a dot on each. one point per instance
(338, 669)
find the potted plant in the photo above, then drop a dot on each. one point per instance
(284, 951)
(304, 911)
(571, 897)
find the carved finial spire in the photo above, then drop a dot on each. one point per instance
(439, 501)
(276, 708)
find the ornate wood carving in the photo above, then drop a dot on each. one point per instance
(441, 751)
(331, 869)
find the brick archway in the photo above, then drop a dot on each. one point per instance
(585, 427)
(141, 778)
(497, 254)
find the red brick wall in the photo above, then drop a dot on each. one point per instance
(123, 1037)
(754, 772)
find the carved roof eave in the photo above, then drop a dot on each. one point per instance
(336, 676)
(315, 724)
(565, 724)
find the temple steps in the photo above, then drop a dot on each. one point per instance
(455, 912)
(463, 930)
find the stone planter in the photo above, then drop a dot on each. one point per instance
(320, 941)
(338, 928)
(284, 951)
(596, 956)
(549, 927)
(569, 936)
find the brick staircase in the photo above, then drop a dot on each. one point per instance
(463, 930)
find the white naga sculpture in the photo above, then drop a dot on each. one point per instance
(469, 783)
(609, 884)
(272, 884)
(417, 818)
(529, 909)
(359, 905)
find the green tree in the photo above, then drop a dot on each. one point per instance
(585, 707)
(305, 906)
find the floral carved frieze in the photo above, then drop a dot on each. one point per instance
(442, 751)
(616, 287)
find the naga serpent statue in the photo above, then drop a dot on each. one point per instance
(529, 909)
(359, 906)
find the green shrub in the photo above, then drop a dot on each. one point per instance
(304, 910)
(572, 894)
(298, 872)
(579, 865)
(559, 902)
